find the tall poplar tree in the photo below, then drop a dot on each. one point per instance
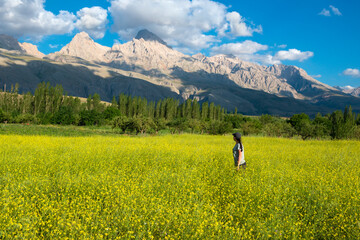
(204, 110)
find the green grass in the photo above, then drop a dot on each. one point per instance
(64, 131)
(56, 130)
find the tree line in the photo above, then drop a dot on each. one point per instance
(130, 114)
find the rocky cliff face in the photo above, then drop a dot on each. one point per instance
(82, 46)
(31, 50)
(249, 75)
(144, 55)
(156, 59)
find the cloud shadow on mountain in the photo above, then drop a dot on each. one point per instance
(79, 81)
(132, 68)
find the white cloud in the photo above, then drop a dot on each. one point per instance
(352, 72)
(93, 21)
(335, 10)
(246, 47)
(54, 46)
(325, 12)
(282, 46)
(316, 76)
(293, 55)
(183, 24)
(238, 26)
(348, 87)
(264, 59)
(247, 51)
(29, 18)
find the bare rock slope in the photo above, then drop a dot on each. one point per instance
(155, 58)
(149, 55)
(31, 50)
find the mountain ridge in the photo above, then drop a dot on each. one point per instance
(148, 68)
(149, 54)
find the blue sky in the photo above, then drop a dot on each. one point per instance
(319, 36)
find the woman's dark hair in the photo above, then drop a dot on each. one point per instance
(239, 140)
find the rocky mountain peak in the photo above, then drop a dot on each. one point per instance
(199, 56)
(80, 40)
(149, 36)
(83, 46)
(31, 49)
(83, 35)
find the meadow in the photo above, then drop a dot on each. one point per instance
(177, 187)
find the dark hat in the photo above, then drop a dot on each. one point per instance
(237, 135)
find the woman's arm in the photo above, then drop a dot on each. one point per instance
(240, 154)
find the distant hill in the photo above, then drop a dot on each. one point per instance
(147, 67)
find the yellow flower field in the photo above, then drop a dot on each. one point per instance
(177, 187)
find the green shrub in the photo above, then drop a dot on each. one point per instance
(219, 127)
(64, 116)
(26, 118)
(90, 118)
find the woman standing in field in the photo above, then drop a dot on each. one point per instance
(238, 152)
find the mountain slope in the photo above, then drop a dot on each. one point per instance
(147, 67)
(82, 80)
(154, 58)
(77, 79)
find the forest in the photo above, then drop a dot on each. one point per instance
(135, 115)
